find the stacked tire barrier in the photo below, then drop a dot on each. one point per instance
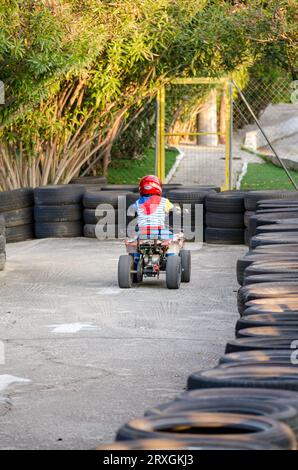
(58, 211)
(280, 200)
(17, 208)
(191, 200)
(250, 400)
(2, 243)
(90, 181)
(105, 213)
(225, 218)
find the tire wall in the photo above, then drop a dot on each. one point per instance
(255, 376)
(17, 208)
(225, 218)
(70, 211)
(58, 211)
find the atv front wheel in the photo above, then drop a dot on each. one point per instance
(173, 272)
(125, 276)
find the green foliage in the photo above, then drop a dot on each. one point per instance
(138, 133)
(130, 171)
(267, 176)
(77, 72)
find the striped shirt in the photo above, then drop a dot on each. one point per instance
(151, 212)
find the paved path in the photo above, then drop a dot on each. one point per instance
(96, 355)
(206, 165)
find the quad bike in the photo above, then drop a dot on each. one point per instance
(149, 258)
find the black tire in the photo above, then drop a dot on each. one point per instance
(278, 304)
(226, 202)
(248, 259)
(64, 213)
(277, 228)
(92, 199)
(167, 444)
(193, 427)
(2, 225)
(279, 213)
(247, 216)
(171, 186)
(173, 272)
(2, 243)
(263, 278)
(276, 203)
(263, 376)
(57, 195)
(253, 197)
(224, 220)
(58, 229)
(278, 291)
(18, 217)
(2, 261)
(19, 233)
(265, 343)
(271, 267)
(278, 356)
(185, 256)
(89, 231)
(276, 320)
(127, 188)
(125, 276)
(137, 278)
(268, 331)
(268, 310)
(89, 180)
(93, 231)
(277, 249)
(224, 236)
(199, 187)
(273, 409)
(246, 237)
(91, 218)
(16, 199)
(261, 395)
(269, 219)
(184, 196)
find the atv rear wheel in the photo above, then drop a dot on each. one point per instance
(125, 276)
(137, 277)
(185, 265)
(173, 272)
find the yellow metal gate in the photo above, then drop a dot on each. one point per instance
(162, 135)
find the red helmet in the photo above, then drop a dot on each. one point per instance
(150, 184)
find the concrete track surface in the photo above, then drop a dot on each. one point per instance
(95, 356)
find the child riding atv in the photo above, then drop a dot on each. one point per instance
(155, 249)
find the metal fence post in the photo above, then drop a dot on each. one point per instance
(231, 107)
(160, 135)
(228, 157)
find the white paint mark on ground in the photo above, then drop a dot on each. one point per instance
(6, 380)
(72, 327)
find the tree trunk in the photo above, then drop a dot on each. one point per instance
(207, 122)
(106, 160)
